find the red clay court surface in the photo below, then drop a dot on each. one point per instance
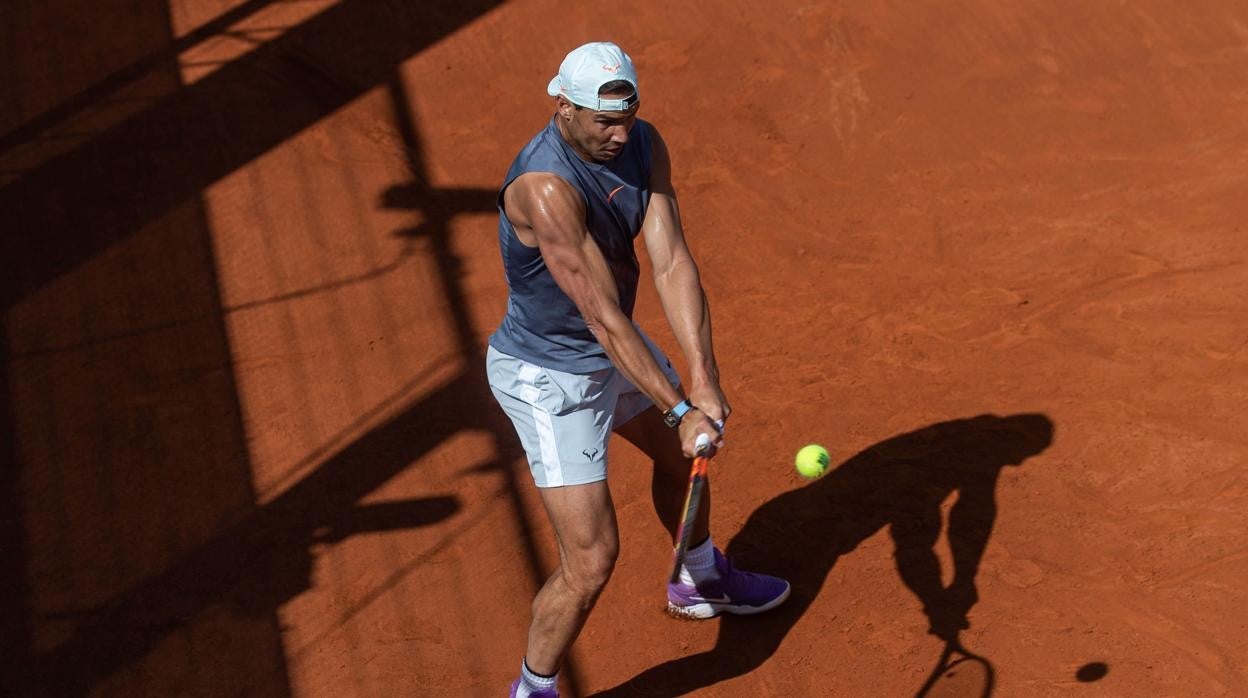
(992, 255)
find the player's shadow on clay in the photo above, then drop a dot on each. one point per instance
(898, 484)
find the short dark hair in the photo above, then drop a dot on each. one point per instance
(615, 86)
(609, 87)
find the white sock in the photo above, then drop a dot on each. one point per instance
(530, 682)
(699, 564)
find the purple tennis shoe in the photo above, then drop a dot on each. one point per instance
(736, 591)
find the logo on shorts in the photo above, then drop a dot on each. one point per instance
(590, 454)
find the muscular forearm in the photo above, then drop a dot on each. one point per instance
(684, 303)
(630, 355)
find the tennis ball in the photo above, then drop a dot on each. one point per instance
(812, 461)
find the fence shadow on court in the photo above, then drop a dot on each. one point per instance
(898, 484)
(110, 239)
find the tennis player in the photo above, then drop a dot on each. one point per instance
(569, 366)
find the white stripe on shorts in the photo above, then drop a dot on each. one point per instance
(550, 450)
(542, 424)
(527, 376)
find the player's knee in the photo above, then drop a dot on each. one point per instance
(589, 570)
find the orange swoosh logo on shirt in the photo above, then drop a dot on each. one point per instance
(614, 192)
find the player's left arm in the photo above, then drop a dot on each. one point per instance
(679, 285)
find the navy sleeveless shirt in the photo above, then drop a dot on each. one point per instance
(542, 324)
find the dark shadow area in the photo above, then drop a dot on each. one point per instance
(159, 58)
(1092, 671)
(128, 513)
(127, 455)
(386, 516)
(253, 567)
(164, 325)
(898, 484)
(959, 673)
(15, 631)
(438, 205)
(74, 206)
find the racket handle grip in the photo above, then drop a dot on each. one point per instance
(703, 442)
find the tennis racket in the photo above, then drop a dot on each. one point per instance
(693, 498)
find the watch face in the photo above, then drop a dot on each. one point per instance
(670, 419)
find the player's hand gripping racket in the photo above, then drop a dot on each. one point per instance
(697, 483)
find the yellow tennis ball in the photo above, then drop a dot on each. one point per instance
(812, 461)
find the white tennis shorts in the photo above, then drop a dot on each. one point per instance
(565, 420)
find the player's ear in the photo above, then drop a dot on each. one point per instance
(564, 107)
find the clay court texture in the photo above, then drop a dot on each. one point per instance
(993, 256)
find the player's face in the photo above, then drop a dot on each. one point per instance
(598, 136)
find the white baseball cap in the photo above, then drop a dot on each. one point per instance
(587, 68)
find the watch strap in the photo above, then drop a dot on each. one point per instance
(673, 416)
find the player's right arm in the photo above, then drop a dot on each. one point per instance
(547, 212)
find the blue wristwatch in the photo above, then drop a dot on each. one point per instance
(673, 416)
